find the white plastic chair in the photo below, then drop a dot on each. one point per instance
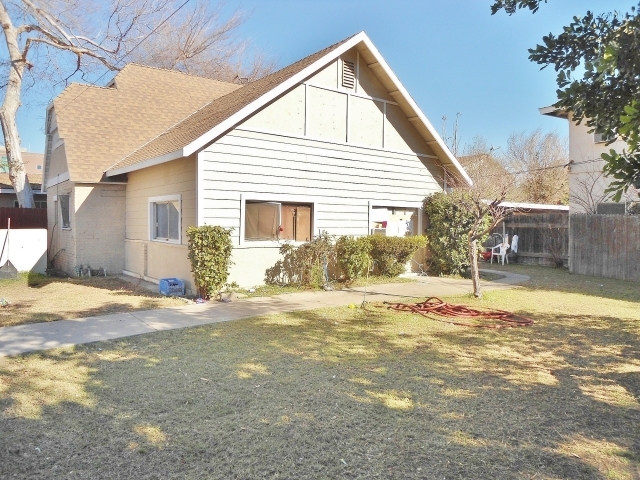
(500, 251)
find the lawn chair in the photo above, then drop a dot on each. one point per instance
(500, 251)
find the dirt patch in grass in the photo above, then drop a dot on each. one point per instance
(37, 298)
(339, 393)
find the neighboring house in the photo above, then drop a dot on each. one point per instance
(33, 165)
(8, 195)
(331, 143)
(587, 183)
(32, 161)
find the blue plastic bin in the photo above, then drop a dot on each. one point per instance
(171, 286)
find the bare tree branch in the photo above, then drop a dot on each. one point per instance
(56, 41)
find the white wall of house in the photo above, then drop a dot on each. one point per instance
(587, 183)
(25, 248)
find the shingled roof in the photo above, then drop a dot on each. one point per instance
(101, 125)
(35, 180)
(217, 111)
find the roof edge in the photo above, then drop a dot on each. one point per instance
(552, 111)
(147, 163)
(417, 110)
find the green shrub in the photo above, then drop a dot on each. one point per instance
(353, 256)
(303, 265)
(391, 254)
(449, 224)
(210, 256)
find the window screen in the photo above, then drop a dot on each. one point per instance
(64, 211)
(262, 221)
(167, 220)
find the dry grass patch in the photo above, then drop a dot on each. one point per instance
(36, 298)
(340, 393)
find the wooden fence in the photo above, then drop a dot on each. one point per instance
(22, 218)
(605, 246)
(543, 238)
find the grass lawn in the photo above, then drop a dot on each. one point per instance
(344, 393)
(36, 298)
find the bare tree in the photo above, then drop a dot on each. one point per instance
(200, 42)
(538, 161)
(453, 140)
(58, 40)
(588, 191)
(484, 202)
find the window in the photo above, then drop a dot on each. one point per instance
(39, 167)
(394, 221)
(4, 164)
(603, 137)
(164, 215)
(65, 212)
(277, 221)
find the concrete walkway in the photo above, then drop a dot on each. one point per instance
(64, 333)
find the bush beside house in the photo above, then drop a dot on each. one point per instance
(210, 256)
(310, 263)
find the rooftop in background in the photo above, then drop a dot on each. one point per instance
(35, 180)
(535, 206)
(554, 112)
(33, 162)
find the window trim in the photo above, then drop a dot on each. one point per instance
(260, 197)
(151, 220)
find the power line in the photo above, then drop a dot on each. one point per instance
(521, 172)
(124, 55)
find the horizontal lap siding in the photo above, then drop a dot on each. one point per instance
(340, 180)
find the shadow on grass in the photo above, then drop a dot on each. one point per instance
(334, 393)
(559, 279)
(112, 283)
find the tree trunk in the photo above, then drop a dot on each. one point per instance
(17, 173)
(475, 273)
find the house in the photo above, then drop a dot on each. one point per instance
(587, 183)
(331, 143)
(8, 195)
(33, 166)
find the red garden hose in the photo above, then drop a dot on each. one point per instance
(434, 306)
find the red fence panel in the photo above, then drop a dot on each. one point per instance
(23, 217)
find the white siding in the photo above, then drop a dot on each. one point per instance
(340, 180)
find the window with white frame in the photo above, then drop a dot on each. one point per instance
(164, 218)
(266, 220)
(65, 211)
(394, 221)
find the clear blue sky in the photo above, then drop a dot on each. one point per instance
(451, 55)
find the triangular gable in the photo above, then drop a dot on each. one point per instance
(222, 115)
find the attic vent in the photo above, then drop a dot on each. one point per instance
(348, 74)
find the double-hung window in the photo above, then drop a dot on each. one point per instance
(164, 218)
